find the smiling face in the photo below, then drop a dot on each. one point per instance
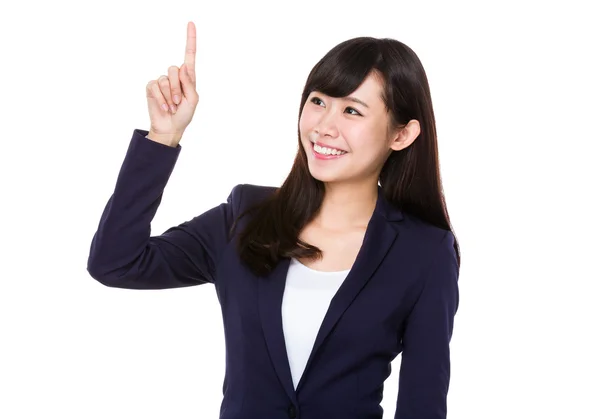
(347, 139)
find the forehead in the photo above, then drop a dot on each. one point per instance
(371, 90)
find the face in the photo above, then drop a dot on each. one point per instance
(346, 139)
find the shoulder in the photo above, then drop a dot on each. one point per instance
(245, 195)
(436, 262)
(425, 232)
(426, 239)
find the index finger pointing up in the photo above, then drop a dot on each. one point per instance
(190, 50)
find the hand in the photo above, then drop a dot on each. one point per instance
(177, 91)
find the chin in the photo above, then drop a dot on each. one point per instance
(325, 176)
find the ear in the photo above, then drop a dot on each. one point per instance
(406, 135)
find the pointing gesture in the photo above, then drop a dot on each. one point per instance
(172, 99)
(190, 52)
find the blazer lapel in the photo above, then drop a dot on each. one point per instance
(379, 237)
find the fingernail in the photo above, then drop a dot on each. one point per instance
(176, 99)
(173, 110)
(165, 107)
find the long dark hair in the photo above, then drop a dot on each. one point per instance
(410, 178)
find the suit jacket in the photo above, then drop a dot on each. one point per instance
(401, 295)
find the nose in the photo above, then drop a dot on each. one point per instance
(327, 126)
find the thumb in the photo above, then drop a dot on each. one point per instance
(186, 82)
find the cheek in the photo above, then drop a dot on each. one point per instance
(308, 120)
(302, 124)
(364, 143)
(359, 137)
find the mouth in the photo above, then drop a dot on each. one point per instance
(323, 152)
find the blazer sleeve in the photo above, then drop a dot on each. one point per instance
(425, 367)
(122, 252)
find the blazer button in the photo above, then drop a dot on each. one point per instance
(292, 411)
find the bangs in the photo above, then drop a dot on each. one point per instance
(344, 68)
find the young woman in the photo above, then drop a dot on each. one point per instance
(324, 280)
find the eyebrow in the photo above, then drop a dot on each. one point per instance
(353, 99)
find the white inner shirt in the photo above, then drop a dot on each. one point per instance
(306, 298)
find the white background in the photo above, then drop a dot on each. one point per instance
(515, 90)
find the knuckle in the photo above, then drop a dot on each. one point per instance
(156, 92)
(152, 89)
(173, 68)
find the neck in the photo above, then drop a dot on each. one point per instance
(347, 206)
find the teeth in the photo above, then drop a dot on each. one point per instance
(328, 151)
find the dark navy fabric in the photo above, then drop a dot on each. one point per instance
(400, 296)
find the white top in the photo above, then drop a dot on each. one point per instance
(306, 298)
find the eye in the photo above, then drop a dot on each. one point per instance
(316, 101)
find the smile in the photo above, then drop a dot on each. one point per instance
(326, 153)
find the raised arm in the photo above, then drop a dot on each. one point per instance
(122, 252)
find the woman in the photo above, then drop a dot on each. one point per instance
(322, 281)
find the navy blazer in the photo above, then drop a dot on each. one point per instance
(400, 296)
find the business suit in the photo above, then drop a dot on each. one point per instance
(401, 295)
